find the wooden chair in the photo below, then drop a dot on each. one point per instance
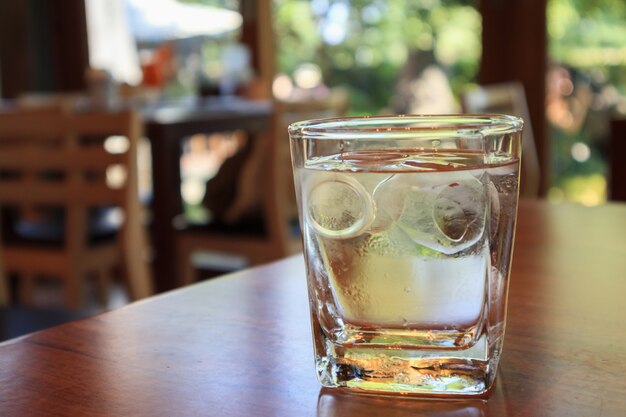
(264, 187)
(509, 98)
(53, 190)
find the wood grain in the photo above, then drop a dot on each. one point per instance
(240, 345)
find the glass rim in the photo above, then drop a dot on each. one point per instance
(406, 126)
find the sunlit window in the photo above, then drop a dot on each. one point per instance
(586, 87)
(385, 52)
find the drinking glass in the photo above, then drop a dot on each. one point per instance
(408, 225)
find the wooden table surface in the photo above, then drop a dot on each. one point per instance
(240, 345)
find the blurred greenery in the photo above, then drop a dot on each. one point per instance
(363, 45)
(588, 38)
(226, 4)
(370, 50)
(589, 35)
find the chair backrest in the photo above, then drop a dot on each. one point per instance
(73, 161)
(509, 98)
(335, 104)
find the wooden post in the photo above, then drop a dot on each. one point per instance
(43, 46)
(258, 35)
(515, 49)
(15, 59)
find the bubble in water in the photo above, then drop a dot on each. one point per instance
(339, 207)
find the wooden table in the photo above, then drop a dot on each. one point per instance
(166, 127)
(240, 345)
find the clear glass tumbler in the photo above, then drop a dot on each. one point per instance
(408, 225)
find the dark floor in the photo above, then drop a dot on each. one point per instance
(47, 309)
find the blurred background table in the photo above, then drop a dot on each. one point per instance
(240, 345)
(166, 126)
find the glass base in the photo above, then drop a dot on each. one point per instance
(421, 372)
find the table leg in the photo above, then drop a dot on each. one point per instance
(166, 204)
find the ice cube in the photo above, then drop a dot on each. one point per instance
(337, 206)
(494, 208)
(501, 185)
(444, 211)
(388, 199)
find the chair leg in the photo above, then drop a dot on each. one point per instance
(185, 266)
(4, 288)
(134, 264)
(74, 297)
(103, 281)
(137, 276)
(26, 288)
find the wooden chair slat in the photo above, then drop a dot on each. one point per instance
(57, 158)
(62, 160)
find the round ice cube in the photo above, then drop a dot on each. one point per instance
(389, 197)
(444, 211)
(459, 210)
(338, 206)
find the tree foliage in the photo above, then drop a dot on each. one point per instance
(589, 33)
(588, 37)
(369, 50)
